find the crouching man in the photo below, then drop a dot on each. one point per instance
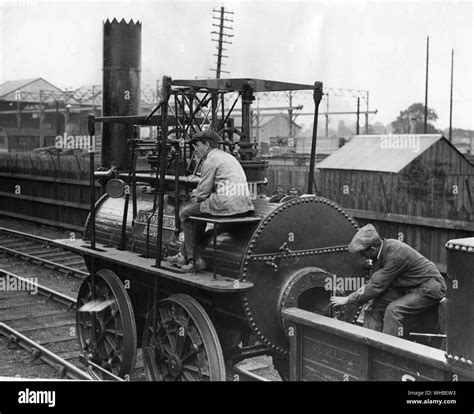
(405, 284)
(222, 191)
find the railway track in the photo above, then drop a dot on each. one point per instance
(50, 323)
(40, 321)
(42, 251)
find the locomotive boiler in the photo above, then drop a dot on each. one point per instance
(289, 253)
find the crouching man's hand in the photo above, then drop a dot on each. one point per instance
(339, 300)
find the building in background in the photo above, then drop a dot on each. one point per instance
(416, 175)
(34, 111)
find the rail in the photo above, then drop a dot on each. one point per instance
(43, 290)
(36, 258)
(65, 368)
(38, 351)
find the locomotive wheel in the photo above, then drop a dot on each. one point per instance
(114, 346)
(181, 344)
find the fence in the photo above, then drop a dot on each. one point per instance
(427, 235)
(46, 189)
(54, 190)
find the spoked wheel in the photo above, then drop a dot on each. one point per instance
(114, 343)
(181, 344)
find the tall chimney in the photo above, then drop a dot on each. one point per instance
(121, 88)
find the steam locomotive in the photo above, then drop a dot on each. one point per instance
(191, 326)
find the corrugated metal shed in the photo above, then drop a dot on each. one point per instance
(384, 153)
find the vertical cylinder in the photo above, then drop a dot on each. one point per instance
(121, 88)
(460, 306)
(246, 102)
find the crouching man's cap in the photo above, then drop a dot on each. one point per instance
(208, 135)
(363, 239)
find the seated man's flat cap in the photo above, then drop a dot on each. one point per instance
(208, 135)
(363, 239)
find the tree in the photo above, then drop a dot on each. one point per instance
(342, 130)
(415, 113)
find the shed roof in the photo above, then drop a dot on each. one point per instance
(34, 84)
(385, 153)
(11, 86)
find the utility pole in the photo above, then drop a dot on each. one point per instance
(367, 115)
(41, 119)
(290, 118)
(451, 99)
(18, 109)
(327, 116)
(358, 113)
(57, 117)
(426, 84)
(221, 34)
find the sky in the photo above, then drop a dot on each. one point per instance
(375, 46)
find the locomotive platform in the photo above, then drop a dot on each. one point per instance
(202, 279)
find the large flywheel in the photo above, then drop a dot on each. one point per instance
(298, 255)
(106, 326)
(180, 343)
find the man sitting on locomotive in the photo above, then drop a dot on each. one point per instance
(222, 191)
(406, 282)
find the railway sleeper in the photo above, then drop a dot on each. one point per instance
(64, 338)
(54, 256)
(72, 262)
(42, 252)
(55, 324)
(9, 240)
(20, 245)
(21, 303)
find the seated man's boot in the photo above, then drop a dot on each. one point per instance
(178, 260)
(197, 265)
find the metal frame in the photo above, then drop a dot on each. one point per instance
(184, 105)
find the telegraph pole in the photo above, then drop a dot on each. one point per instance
(367, 115)
(221, 17)
(426, 84)
(451, 99)
(290, 117)
(41, 120)
(358, 114)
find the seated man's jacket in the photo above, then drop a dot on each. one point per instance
(401, 268)
(223, 188)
